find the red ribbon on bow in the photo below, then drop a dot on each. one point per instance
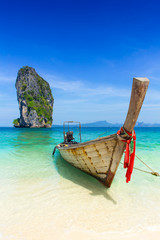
(129, 153)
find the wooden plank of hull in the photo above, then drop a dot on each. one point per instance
(95, 159)
(100, 157)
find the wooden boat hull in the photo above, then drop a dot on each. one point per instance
(98, 157)
(101, 157)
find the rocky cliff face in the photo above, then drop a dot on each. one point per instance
(35, 100)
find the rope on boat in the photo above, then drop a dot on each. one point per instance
(102, 134)
(152, 171)
(128, 134)
(130, 150)
(144, 163)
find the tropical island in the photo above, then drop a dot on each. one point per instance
(35, 100)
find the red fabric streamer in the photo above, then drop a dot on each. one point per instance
(129, 153)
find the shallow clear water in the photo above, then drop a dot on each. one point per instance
(41, 195)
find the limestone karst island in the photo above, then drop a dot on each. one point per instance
(35, 100)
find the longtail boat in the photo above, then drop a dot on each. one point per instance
(100, 157)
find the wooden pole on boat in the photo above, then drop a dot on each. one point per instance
(139, 89)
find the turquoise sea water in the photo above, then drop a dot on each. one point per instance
(42, 195)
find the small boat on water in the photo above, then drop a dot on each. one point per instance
(100, 157)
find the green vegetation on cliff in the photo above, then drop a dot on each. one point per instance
(39, 104)
(34, 95)
(16, 122)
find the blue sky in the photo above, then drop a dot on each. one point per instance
(89, 52)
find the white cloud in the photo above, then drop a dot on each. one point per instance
(107, 91)
(152, 105)
(65, 85)
(153, 95)
(157, 79)
(2, 95)
(82, 89)
(7, 78)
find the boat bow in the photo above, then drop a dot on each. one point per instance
(139, 89)
(101, 157)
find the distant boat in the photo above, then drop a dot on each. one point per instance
(100, 157)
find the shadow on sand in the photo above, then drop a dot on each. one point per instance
(75, 175)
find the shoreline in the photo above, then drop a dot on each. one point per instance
(45, 198)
